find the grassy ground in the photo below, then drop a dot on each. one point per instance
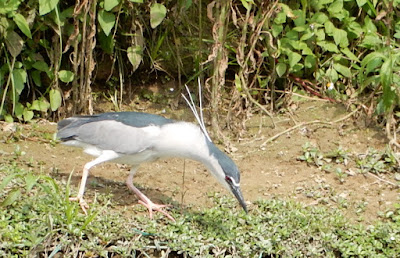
(37, 219)
(318, 191)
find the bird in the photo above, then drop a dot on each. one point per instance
(133, 138)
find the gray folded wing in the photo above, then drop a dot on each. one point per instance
(111, 135)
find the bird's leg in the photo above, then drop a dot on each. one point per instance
(144, 200)
(105, 156)
(79, 197)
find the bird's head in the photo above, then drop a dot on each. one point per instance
(227, 173)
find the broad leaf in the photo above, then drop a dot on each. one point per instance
(46, 6)
(328, 46)
(345, 71)
(310, 62)
(14, 43)
(110, 4)
(332, 75)
(135, 56)
(360, 3)
(157, 14)
(18, 110)
(349, 54)
(66, 76)
(340, 37)
(30, 181)
(281, 69)
(107, 21)
(41, 66)
(11, 197)
(386, 73)
(294, 58)
(55, 99)
(22, 25)
(40, 105)
(19, 79)
(27, 114)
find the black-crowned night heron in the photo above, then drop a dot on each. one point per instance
(134, 137)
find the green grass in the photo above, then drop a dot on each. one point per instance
(38, 220)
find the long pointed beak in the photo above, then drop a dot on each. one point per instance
(238, 194)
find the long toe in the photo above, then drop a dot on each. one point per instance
(82, 203)
(156, 207)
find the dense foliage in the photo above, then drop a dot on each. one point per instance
(54, 52)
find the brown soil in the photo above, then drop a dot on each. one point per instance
(267, 172)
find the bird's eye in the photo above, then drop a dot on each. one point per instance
(229, 179)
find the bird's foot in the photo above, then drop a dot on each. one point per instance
(82, 203)
(156, 207)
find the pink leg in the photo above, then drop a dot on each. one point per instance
(144, 200)
(105, 156)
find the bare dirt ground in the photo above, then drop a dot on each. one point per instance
(270, 171)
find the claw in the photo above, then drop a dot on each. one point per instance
(82, 203)
(156, 207)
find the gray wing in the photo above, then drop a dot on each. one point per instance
(112, 135)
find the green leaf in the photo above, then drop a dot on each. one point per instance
(247, 4)
(19, 79)
(110, 4)
(36, 78)
(276, 29)
(137, 1)
(328, 46)
(329, 28)
(238, 83)
(14, 43)
(41, 66)
(360, 3)
(55, 99)
(106, 20)
(30, 181)
(349, 54)
(345, 71)
(319, 18)
(320, 35)
(281, 69)
(66, 76)
(40, 105)
(106, 42)
(307, 36)
(371, 56)
(157, 14)
(332, 75)
(280, 18)
(22, 25)
(355, 27)
(386, 73)
(135, 56)
(8, 118)
(7, 180)
(369, 26)
(310, 62)
(336, 8)
(11, 197)
(294, 58)
(371, 41)
(287, 10)
(19, 110)
(340, 37)
(27, 114)
(46, 6)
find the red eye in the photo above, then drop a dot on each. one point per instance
(227, 178)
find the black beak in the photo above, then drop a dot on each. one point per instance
(238, 194)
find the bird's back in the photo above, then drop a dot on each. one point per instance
(68, 128)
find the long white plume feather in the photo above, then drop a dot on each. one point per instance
(199, 117)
